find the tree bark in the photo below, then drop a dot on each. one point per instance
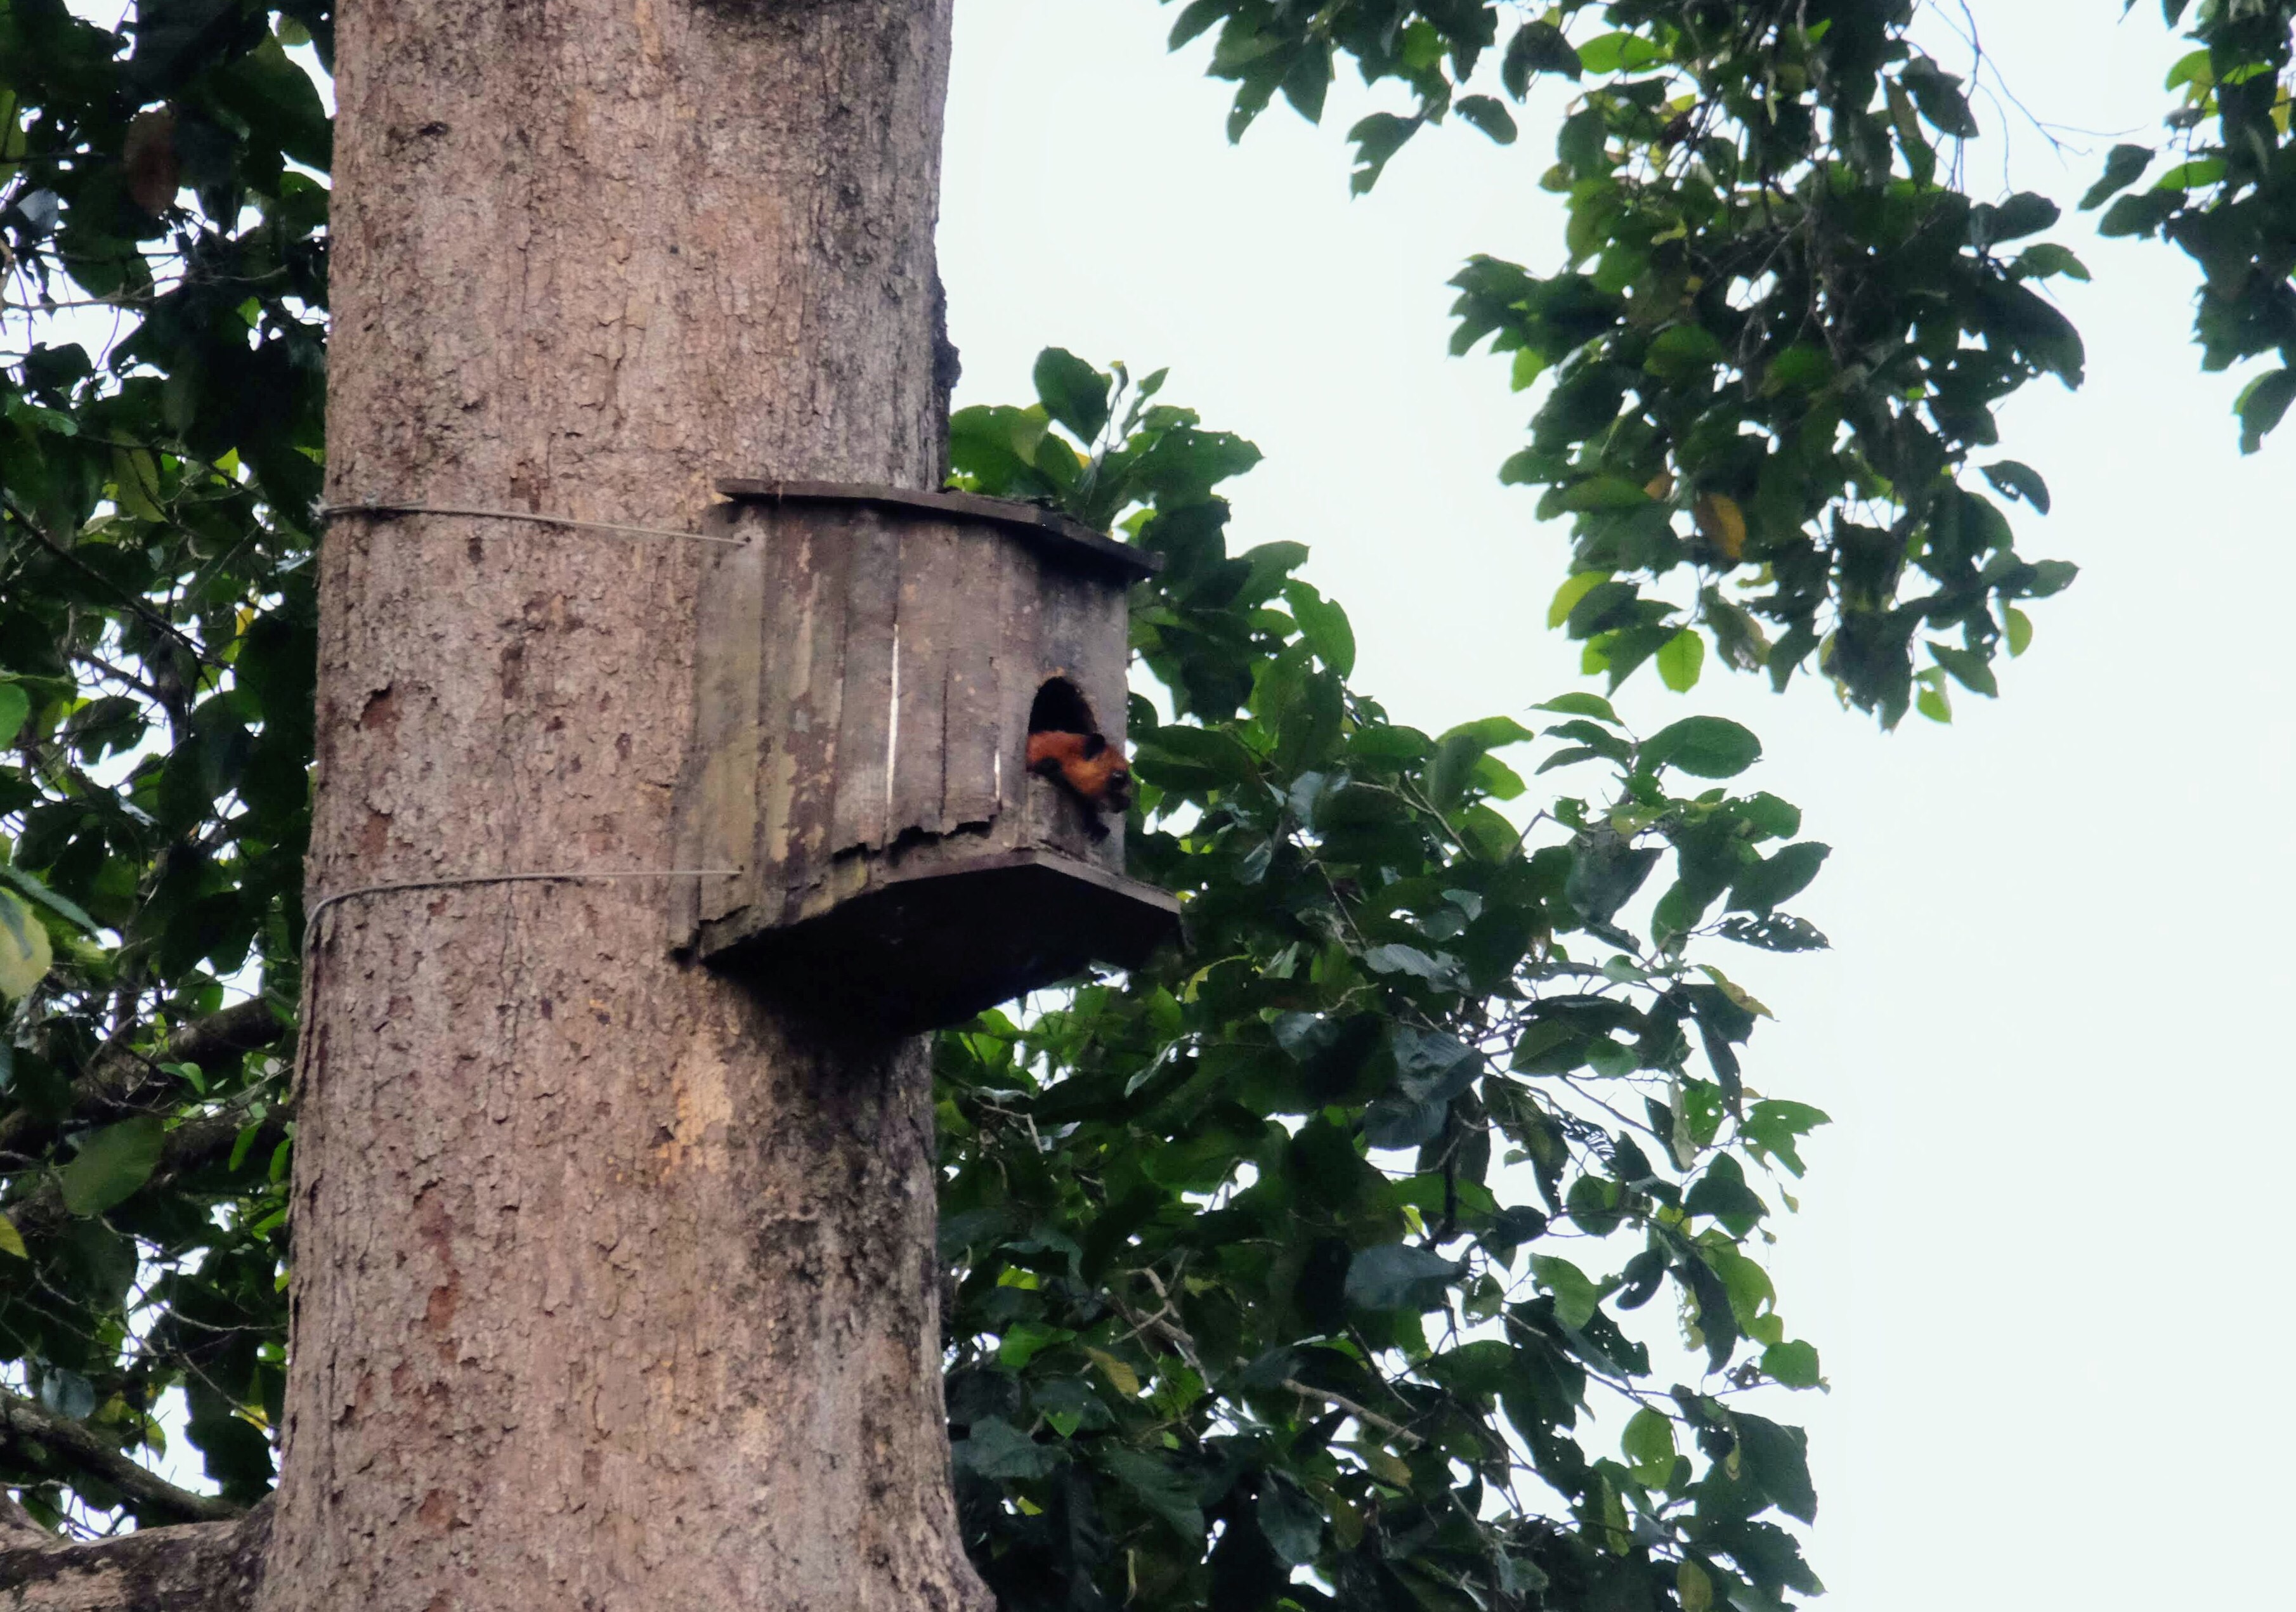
(199, 1567)
(613, 1286)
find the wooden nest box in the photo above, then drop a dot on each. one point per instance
(870, 666)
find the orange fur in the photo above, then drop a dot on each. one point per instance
(1092, 768)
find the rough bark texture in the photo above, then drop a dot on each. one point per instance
(200, 1567)
(612, 1288)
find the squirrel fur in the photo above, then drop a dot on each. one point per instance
(1092, 769)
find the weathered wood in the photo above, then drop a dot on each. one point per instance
(973, 769)
(935, 595)
(865, 729)
(1049, 530)
(1075, 621)
(1016, 920)
(811, 624)
(899, 643)
(717, 807)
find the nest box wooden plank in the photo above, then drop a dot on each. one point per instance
(870, 665)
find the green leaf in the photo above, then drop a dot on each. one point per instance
(1800, 368)
(1597, 493)
(2023, 214)
(70, 912)
(24, 951)
(1775, 1127)
(1291, 1519)
(2262, 405)
(1648, 1443)
(1575, 1295)
(1325, 626)
(1537, 47)
(994, 1448)
(113, 1164)
(1680, 660)
(1704, 746)
(1723, 1192)
(1969, 669)
(1768, 816)
(1073, 392)
(1488, 115)
(1488, 732)
(1775, 1461)
(1618, 53)
(2192, 176)
(1776, 933)
(2019, 630)
(2141, 214)
(1793, 1363)
(2048, 259)
(1778, 879)
(2019, 482)
(1194, 19)
(1581, 705)
(1400, 1275)
(2194, 67)
(1574, 588)
(15, 706)
(1397, 958)
(1685, 349)
(1938, 93)
(1165, 1491)
(1377, 138)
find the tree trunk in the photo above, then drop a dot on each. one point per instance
(613, 1287)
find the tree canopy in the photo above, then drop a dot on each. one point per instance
(1246, 1305)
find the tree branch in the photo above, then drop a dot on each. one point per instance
(213, 1566)
(146, 1492)
(113, 1074)
(194, 1143)
(1370, 1418)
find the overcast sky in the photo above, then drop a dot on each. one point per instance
(2040, 1249)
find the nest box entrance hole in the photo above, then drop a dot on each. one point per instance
(1060, 707)
(1067, 747)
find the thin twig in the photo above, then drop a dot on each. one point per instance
(1364, 1414)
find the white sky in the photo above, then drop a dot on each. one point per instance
(2061, 924)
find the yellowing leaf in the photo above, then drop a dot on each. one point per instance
(1736, 991)
(1386, 1465)
(2020, 631)
(24, 951)
(12, 1240)
(135, 479)
(1696, 1590)
(1121, 1377)
(1661, 486)
(1722, 523)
